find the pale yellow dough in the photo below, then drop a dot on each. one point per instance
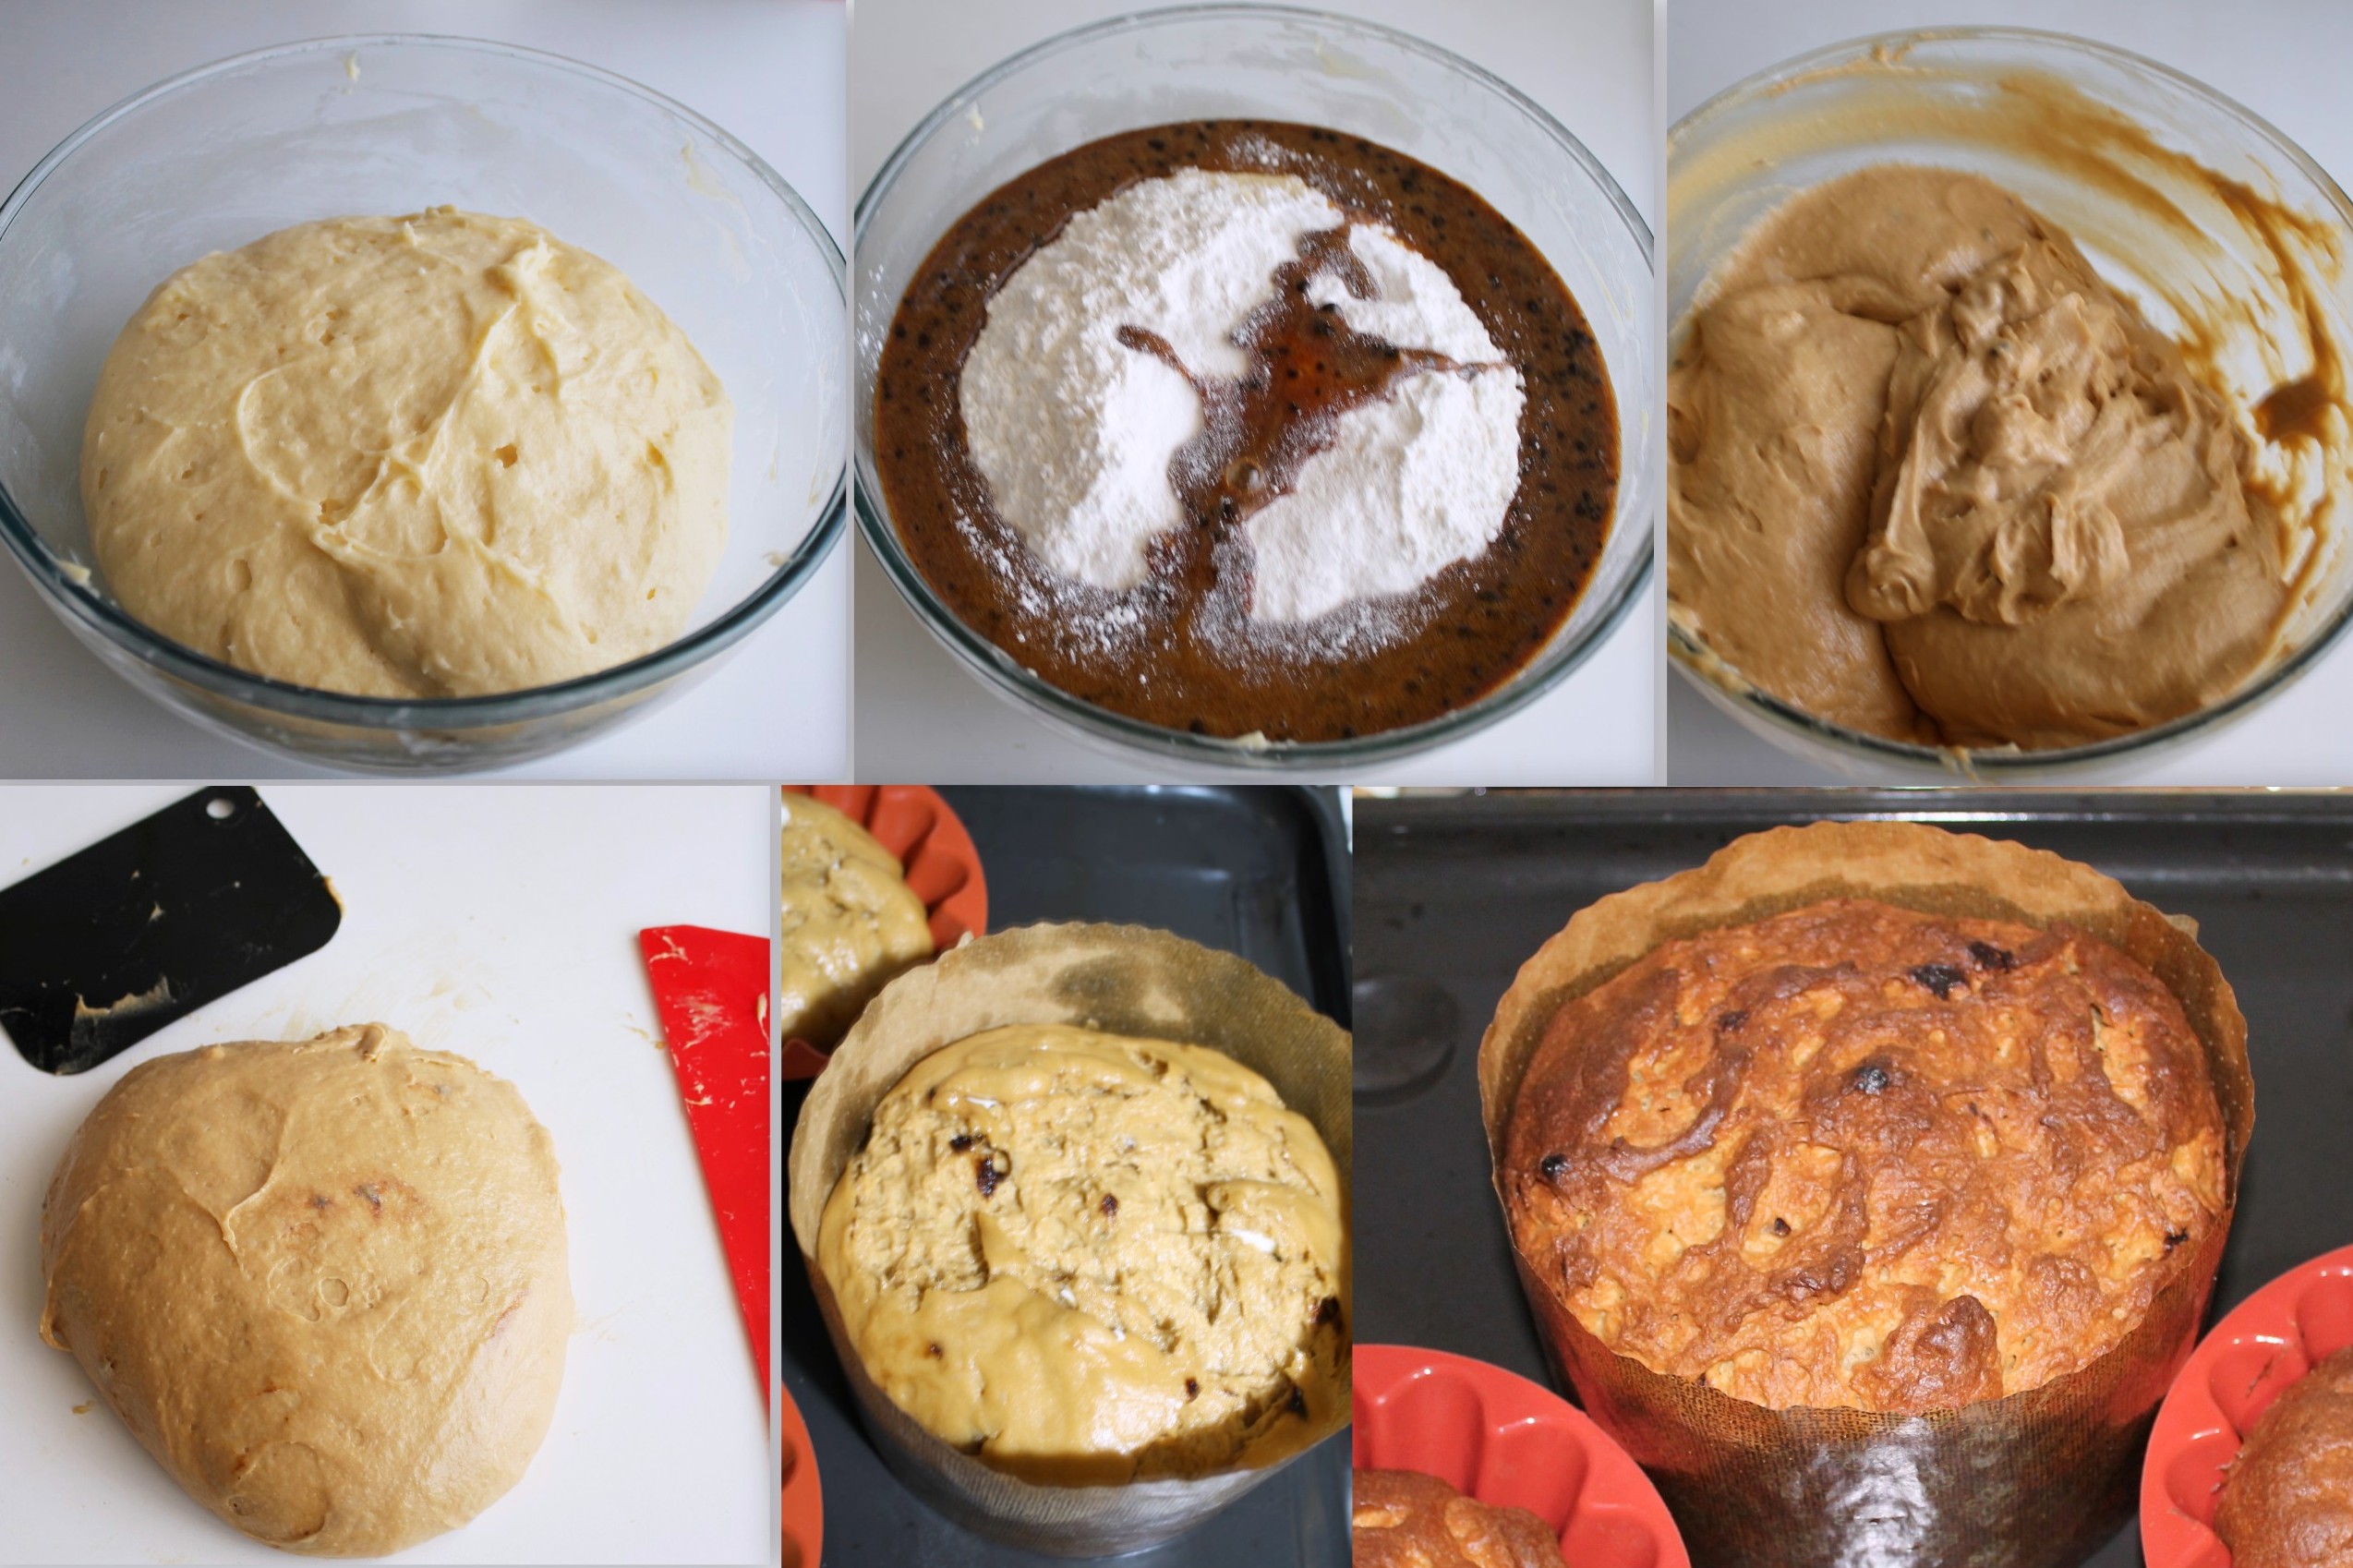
(1151, 1279)
(436, 455)
(323, 1282)
(852, 924)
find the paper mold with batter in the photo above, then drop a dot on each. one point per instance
(1122, 980)
(323, 1282)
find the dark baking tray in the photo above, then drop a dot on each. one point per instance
(1453, 894)
(1261, 871)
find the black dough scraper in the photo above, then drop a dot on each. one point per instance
(105, 948)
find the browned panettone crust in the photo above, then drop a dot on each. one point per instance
(2288, 1500)
(1861, 1156)
(1405, 1519)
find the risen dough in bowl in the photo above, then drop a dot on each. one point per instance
(323, 1281)
(1087, 1258)
(435, 455)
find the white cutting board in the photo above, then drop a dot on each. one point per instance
(499, 923)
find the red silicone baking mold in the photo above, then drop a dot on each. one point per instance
(1497, 1437)
(805, 1498)
(942, 868)
(2267, 1342)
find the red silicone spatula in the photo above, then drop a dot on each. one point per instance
(711, 988)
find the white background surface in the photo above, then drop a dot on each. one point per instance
(770, 71)
(920, 716)
(2284, 60)
(500, 925)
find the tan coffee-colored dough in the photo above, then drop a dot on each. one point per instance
(436, 456)
(1776, 497)
(850, 923)
(323, 1282)
(1934, 479)
(1148, 1282)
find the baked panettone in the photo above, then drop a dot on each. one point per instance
(2288, 1500)
(1856, 1156)
(1405, 1519)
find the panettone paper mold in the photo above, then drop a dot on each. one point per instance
(2038, 1479)
(1121, 979)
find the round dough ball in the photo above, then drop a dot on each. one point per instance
(323, 1281)
(852, 924)
(436, 455)
(1087, 1258)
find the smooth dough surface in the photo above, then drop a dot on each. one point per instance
(1086, 1257)
(323, 1282)
(1935, 479)
(851, 925)
(435, 455)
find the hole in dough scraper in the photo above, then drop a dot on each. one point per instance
(108, 945)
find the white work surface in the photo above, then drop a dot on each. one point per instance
(500, 925)
(769, 71)
(2285, 61)
(920, 715)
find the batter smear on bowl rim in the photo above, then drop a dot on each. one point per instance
(1245, 428)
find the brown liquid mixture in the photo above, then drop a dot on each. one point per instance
(1179, 650)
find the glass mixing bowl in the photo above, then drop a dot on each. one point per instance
(1958, 98)
(1269, 63)
(226, 153)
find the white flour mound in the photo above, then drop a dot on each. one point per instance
(1074, 432)
(1414, 482)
